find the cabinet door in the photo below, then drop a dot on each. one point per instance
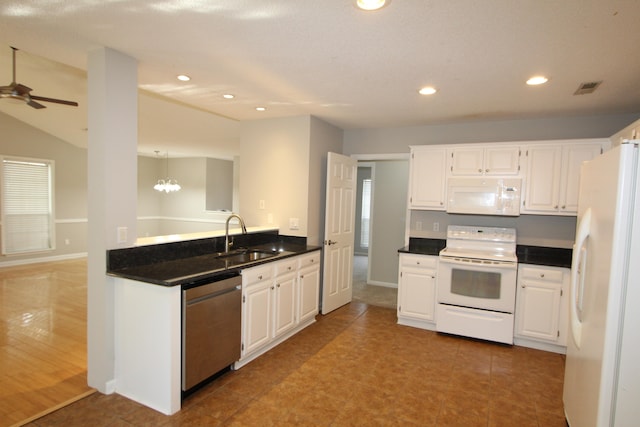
(502, 161)
(538, 310)
(308, 293)
(467, 161)
(572, 158)
(285, 303)
(543, 179)
(428, 179)
(256, 316)
(417, 293)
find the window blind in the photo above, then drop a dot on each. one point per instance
(27, 218)
(366, 213)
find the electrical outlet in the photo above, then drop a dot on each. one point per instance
(418, 225)
(436, 226)
(67, 241)
(261, 204)
(294, 223)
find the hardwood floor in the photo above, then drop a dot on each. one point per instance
(43, 344)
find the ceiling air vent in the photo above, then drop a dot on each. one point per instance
(588, 87)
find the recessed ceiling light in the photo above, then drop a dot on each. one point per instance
(184, 78)
(228, 96)
(537, 80)
(260, 108)
(371, 4)
(428, 90)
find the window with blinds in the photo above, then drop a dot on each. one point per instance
(27, 208)
(366, 213)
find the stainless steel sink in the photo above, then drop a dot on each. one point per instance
(242, 256)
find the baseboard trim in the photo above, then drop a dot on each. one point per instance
(65, 257)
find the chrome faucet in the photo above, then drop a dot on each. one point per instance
(226, 230)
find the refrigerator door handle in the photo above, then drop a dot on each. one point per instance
(578, 264)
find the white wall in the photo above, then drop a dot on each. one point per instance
(274, 168)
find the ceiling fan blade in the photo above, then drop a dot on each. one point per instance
(21, 89)
(57, 101)
(35, 104)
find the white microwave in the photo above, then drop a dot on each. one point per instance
(484, 196)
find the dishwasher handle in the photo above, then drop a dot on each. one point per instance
(212, 289)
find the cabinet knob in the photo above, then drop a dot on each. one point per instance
(312, 260)
(289, 268)
(555, 207)
(541, 274)
(418, 262)
(278, 285)
(302, 276)
(564, 206)
(272, 288)
(523, 286)
(260, 277)
(486, 170)
(480, 170)
(441, 203)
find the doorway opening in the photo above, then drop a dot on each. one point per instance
(381, 203)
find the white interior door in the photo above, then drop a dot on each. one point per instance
(339, 231)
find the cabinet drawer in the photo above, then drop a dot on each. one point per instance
(426, 261)
(309, 259)
(257, 274)
(543, 274)
(286, 266)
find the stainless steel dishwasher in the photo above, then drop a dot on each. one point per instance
(211, 322)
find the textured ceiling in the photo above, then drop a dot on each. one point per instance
(326, 58)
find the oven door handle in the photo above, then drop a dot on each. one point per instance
(458, 261)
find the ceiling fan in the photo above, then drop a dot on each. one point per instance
(23, 93)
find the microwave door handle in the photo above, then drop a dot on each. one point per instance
(578, 266)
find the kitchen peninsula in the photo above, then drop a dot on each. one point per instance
(149, 280)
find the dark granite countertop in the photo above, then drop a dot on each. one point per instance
(542, 255)
(424, 246)
(538, 255)
(186, 263)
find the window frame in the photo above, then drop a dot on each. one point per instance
(51, 193)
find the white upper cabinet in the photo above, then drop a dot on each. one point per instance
(553, 176)
(427, 178)
(491, 161)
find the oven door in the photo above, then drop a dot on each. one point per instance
(484, 284)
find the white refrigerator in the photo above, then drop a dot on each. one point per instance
(602, 371)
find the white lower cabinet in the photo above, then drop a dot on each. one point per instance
(278, 300)
(417, 290)
(542, 307)
(308, 286)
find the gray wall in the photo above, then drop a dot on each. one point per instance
(364, 172)
(390, 182)
(70, 185)
(531, 229)
(398, 140)
(158, 213)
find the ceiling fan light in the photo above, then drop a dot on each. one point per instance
(183, 78)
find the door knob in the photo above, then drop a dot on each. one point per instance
(329, 242)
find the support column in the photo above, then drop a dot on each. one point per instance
(112, 196)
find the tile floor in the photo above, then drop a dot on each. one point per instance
(357, 367)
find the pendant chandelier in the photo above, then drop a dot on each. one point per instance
(167, 185)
